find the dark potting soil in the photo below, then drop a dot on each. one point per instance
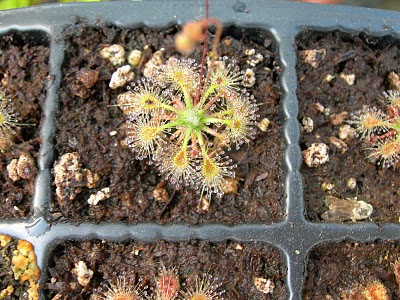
(84, 126)
(23, 73)
(335, 269)
(232, 266)
(370, 60)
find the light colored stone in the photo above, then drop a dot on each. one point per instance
(101, 195)
(12, 170)
(114, 53)
(265, 286)
(83, 273)
(317, 154)
(313, 57)
(349, 78)
(161, 195)
(249, 78)
(134, 57)
(327, 186)
(346, 132)
(308, 124)
(351, 183)
(121, 77)
(263, 124)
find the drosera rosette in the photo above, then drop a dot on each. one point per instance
(380, 131)
(185, 127)
(123, 289)
(8, 121)
(203, 287)
(167, 284)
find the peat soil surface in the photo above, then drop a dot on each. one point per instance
(334, 270)
(231, 266)
(347, 73)
(84, 127)
(23, 74)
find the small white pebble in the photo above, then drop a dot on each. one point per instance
(121, 77)
(134, 57)
(329, 77)
(327, 111)
(12, 170)
(249, 52)
(114, 53)
(308, 124)
(327, 186)
(319, 107)
(259, 57)
(253, 60)
(350, 79)
(136, 251)
(249, 78)
(263, 124)
(112, 133)
(101, 195)
(265, 286)
(313, 57)
(317, 154)
(83, 273)
(351, 183)
(346, 132)
(204, 204)
(238, 247)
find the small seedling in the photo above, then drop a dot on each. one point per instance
(8, 120)
(121, 290)
(167, 285)
(381, 130)
(373, 290)
(205, 289)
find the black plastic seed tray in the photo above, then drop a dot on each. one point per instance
(294, 236)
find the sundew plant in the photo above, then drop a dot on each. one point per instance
(381, 130)
(8, 120)
(185, 127)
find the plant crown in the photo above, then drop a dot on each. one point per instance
(185, 128)
(381, 130)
